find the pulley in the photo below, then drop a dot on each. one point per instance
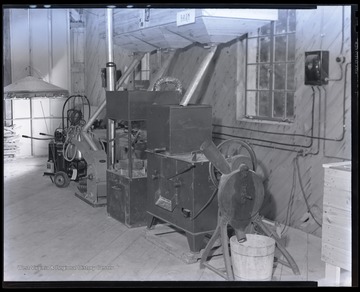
(236, 152)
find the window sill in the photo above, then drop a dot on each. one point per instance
(266, 122)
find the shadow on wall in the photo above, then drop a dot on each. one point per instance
(268, 208)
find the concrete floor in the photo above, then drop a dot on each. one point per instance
(51, 235)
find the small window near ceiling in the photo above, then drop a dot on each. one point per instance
(270, 72)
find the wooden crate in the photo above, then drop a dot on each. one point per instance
(336, 227)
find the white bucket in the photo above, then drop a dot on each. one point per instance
(253, 259)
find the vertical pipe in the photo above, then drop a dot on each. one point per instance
(30, 59)
(30, 72)
(130, 166)
(239, 111)
(31, 128)
(110, 85)
(270, 72)
(68, 44)
(110, 143)
(110, 66)
(109, 34)
(50, 48)
(201, 71)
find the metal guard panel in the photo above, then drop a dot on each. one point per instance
(133, 105)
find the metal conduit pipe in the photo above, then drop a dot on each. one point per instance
(110, 84)
(110, 66)
(194, 83)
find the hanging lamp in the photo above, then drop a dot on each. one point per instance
(31, 86)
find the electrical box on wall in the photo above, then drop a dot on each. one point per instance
(316, 67)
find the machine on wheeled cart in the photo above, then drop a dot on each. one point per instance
(65, 163)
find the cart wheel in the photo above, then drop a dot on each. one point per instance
(61, 179)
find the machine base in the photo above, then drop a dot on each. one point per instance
(125, 199)
(100, 203)
(174, 241)
(196, 241)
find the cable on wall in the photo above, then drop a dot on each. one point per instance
(291, 201)
(302, 135)
(303, 192)
(319, 128)
(278, 143)
(340, 59)
(265, 146)
(341, 138)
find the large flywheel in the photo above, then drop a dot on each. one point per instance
(236, 152)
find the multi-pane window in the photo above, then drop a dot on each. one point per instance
(270, 72)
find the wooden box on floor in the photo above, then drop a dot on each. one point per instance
(336, 227)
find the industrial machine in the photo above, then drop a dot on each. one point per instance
(127, 175)
(92, 189)
(240, 196)
(179, 186)
(61, 170)
(65, 162)
(69, 158)
(96, 186)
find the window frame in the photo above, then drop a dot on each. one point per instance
(271, 63)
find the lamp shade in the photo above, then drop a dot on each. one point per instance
(31, 87)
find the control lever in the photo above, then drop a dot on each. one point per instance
(26, 136)
(43, 134)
